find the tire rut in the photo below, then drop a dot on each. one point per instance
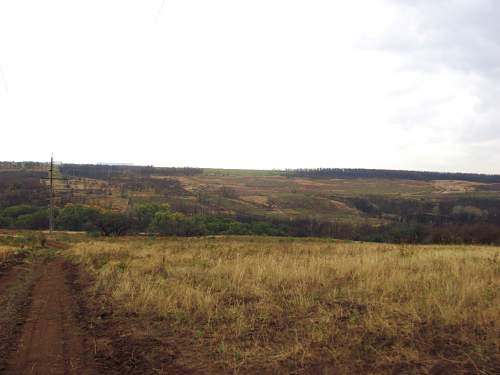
(51, 341)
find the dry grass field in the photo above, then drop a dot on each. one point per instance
(271, 305)
(5, 253)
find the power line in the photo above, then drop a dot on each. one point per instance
(51, 207)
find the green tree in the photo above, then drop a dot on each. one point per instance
(142, 215)
(166, 223)
(14, 212)
(35, 220)
(113, 223)
(5, 222)
(78, 218)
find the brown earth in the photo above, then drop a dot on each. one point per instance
(51, 340)
(16, 281)
(8, 272)
(48, 325)
(122, 341)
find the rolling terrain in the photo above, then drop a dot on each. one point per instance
(245, 305)
(387, 206)
(157, 278)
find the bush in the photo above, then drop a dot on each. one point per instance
(142, 215)
(216, 225)
(268, 229)
(34, 240)
(238, 228)
(37, 220)
(78, 218)
(166, 223)
(5, 222)
(113, 224)
(14, 212)
(467, 214)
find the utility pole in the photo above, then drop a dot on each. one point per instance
(51, 183)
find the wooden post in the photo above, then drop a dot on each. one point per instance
(51, 182)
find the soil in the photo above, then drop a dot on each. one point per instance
(16, 281)
(51, 340)
(122, 342)
(49, 325)
(8, 274)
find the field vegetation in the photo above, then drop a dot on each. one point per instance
(282, 305)
(5, 253)
(355, 204)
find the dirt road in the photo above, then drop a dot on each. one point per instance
(51, 341)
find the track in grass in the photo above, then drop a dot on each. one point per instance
(51, 341)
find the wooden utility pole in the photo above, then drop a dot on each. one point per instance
(51, 183)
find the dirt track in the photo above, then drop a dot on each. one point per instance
(51, 341)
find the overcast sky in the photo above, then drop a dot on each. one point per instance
(396, 84)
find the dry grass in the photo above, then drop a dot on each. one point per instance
(5, 253)
(311, 306)
(453, 187)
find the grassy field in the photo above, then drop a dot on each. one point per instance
(240, 172)
(265, 195)
(262, 305)
(5, 253)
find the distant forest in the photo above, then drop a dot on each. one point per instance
(102, 171)
(342, 173)
(111, 171)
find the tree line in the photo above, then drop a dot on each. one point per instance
(106, 172)
(343, 173)
(143, 218)
(158, 219)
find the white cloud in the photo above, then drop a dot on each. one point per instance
(252, 84)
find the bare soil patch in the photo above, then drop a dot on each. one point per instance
(123, 342)
(51, 340)
(16, 281)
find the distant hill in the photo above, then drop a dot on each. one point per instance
(363, 204)
(391, 174)
(103, 170)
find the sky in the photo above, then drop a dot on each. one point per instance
(260, 84)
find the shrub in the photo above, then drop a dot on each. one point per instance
(113, 224)
(142, 215)
(5, 222)
(14, 212)
(36, 220)
(78, 218)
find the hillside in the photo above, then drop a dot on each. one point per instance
(363, 205)
(245, 305)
